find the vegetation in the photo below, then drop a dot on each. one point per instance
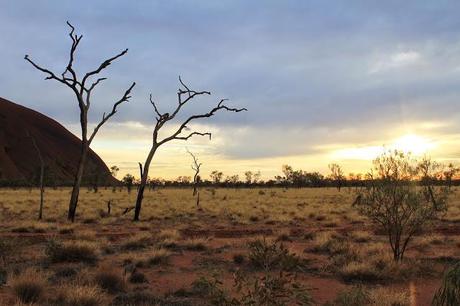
(82, 91)
(394, 200)
(449, 293)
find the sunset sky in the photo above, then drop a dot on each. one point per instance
(323, 81)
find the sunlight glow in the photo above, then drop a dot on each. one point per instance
(412, 143)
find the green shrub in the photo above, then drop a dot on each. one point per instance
(268, 256)
(449, 292)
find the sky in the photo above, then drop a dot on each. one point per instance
(323, 81)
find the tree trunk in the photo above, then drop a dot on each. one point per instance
(77, 183)
(140, 192)
(42, 190)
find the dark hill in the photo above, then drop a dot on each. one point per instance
(19, 162)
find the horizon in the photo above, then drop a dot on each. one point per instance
(323, 82)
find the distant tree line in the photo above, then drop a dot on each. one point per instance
(290, 178)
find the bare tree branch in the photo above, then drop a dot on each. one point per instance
(105, 117)
(83, 94)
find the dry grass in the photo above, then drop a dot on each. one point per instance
(323, 237)
(29, 286)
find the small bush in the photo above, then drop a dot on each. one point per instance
(110, 279)
(389, 297)
(78, 295)
(449, 292)
(198, 245)
(29, 286)
(65, 272)
(3, 276)
(138, 278)
(356, 296)
(271, 289)
(238, 259)
(138, 242)
(360, 271)
(138, 298)
(66, 231)
(330, 244)
(159, 257)
(70, 252)
(267, 256)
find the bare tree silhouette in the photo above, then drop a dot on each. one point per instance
(83, 91)
(42, 173)
(184, 95)
(196, 178)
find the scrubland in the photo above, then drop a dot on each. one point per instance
(240, 247)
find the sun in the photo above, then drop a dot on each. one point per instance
(412, 143)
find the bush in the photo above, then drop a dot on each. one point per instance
(330, 243)
(135, 243)
(449, 292)
(360, 296)
(360, 272)
(198, 245)
(77, 295)
(29, 286)
(402, 189)
(268, 256)
(159, 257)
(277, 290)
(70, 252)
(138, 298)
(110, 280)
(138, 278)
(238, 259)
(356, 296)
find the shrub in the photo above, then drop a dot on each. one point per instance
(356, 296)
(159, 257)
(7, 248)
(110, 279)
(268, 256)
(66, 231)
(70, 252)
(137, 278)
(138, 298)
(274, 289)
(65, 272)
(359, 271)
(238, 259)
(389, 297)
(29, 286)
(78, 295)
(449, 292)
(394, 194)
(330, 243)
(212, 290)
(138, 242)
(3, 276)
(195, 245)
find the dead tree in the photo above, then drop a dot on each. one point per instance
(184, 95)
(42, 174)
(196, 178)
(83, 88)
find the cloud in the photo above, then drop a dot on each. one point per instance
(396, 60)
(313, 74)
